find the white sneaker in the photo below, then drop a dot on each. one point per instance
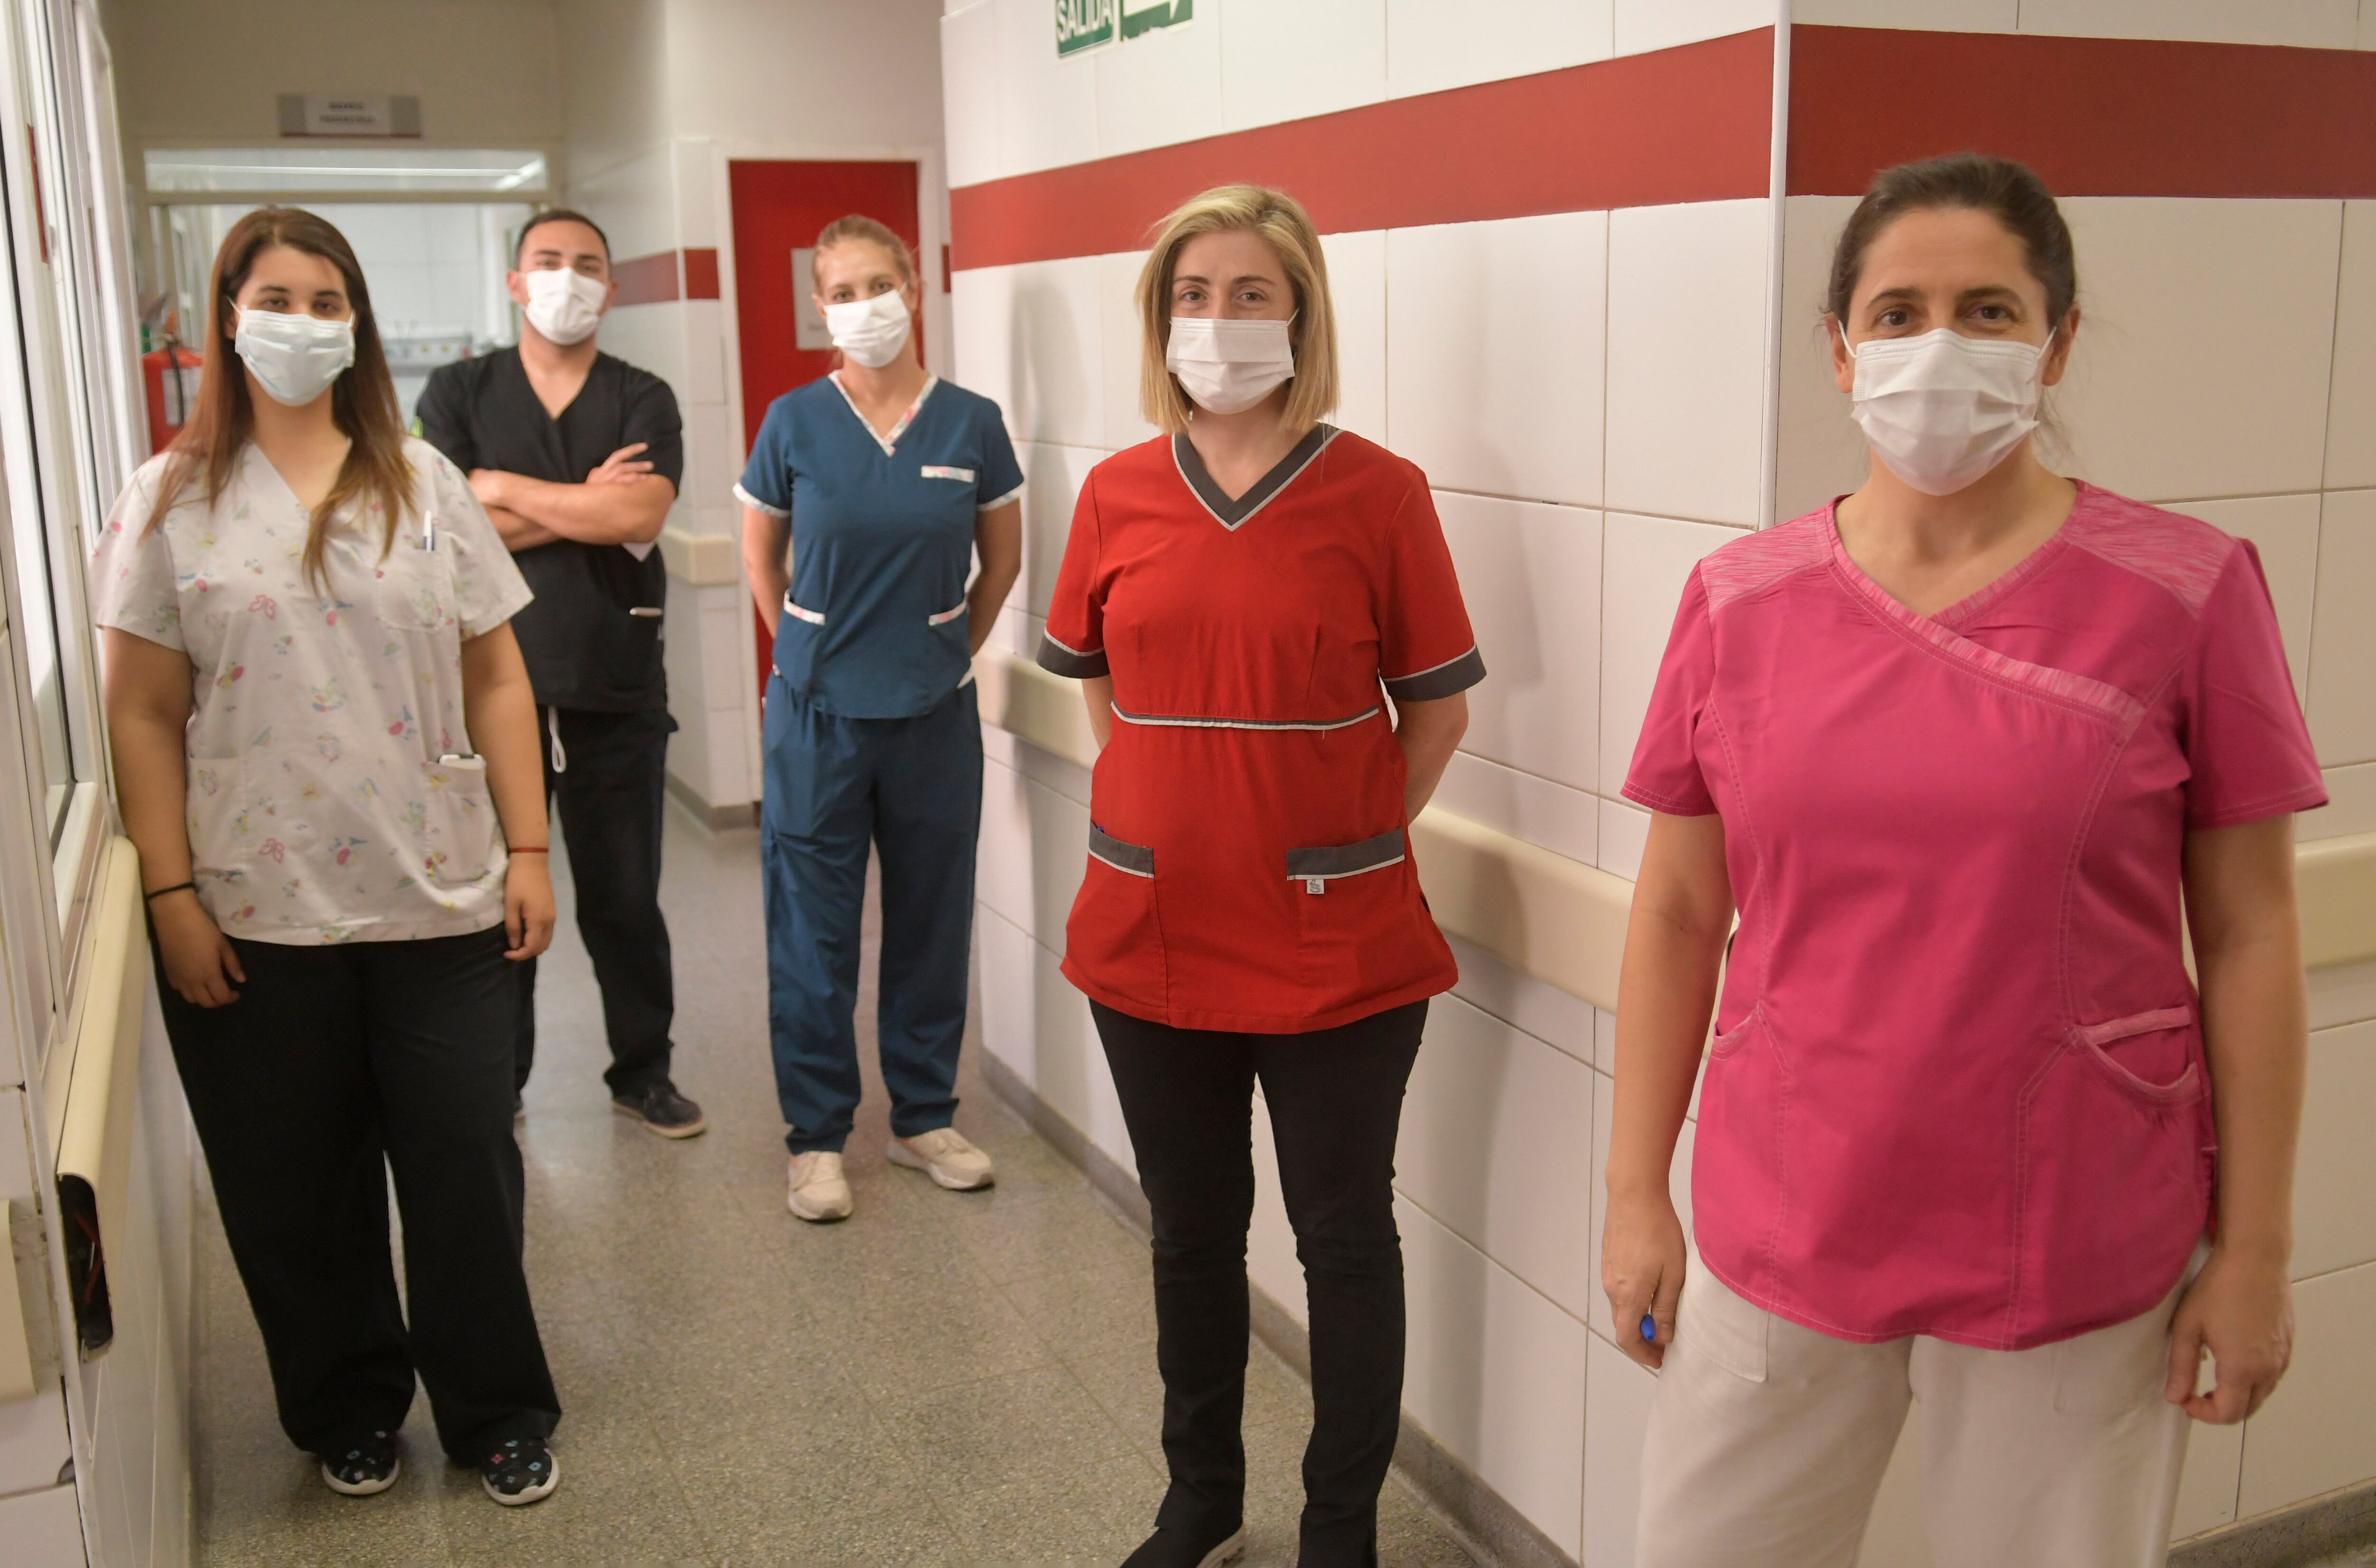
(944, 1156)
(819, 1192)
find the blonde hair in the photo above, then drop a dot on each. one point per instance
(858, 226)
(1283, 224)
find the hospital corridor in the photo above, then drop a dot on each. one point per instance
(1187, 783)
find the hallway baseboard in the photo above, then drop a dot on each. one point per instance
(712, 819)
(2298, 1537)
(1496, 1534)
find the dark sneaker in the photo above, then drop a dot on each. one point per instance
(1170, 1547)
(520, 1472)
(662, 1109)
(363, 1467)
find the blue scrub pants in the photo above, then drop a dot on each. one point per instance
(913, 788)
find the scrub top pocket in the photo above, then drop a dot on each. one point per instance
(1345, 895)
(412, 589)
(458, 824)
(1114, 921)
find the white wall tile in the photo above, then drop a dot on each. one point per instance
(2308, 24)
(1431, 45)
(1304, 57)
(1616, 1420)
(1494, 362)
(1643, 565)
(2344, 994)
(1004, 979)
(2351, 414)
(2283, 528)
(2314, 1435)
(1048, 107)
(1624, 832)
(981, 332)
(1644, 25)
(1121, 350)
(1563, 819)
(43, 1529)
(1687, 338)
(2350, 808)
(1357, 286)
(2343, 634)
(2334, 1176)
(1031, 854)
(1819, 451)
(1530, 574)
(1496, 1374)
(1560, 1020)
(1164, 87)
(1071, 1073)
(1053, 477)
(2206, 1485)
(1943, 16)
(2160, 413)
(1054, 348)
(1496, 1144)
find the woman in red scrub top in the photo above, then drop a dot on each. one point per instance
(1960, 748)
(1239, 599)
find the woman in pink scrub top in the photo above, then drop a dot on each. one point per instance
(1960, 748)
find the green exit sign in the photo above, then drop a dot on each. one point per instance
(1084, 25)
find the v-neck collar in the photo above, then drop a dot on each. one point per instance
(890, 443)
(1231, 513)
(1968, 607)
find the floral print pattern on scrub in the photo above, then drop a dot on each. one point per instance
(318, 808)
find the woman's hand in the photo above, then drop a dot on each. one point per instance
(528, 907)
(200, 962)
(1642, 1270)
(2241, 1307)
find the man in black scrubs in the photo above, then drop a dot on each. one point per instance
(577, 456)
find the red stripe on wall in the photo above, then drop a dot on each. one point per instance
(2094, 116)
(701, 274)
(645, 279)
(1690, 124)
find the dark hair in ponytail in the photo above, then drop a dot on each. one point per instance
(2007, 191)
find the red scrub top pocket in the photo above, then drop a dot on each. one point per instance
(1353, 908)
(1113, 933)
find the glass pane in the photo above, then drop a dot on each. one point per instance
(435, 270)
(345, 169)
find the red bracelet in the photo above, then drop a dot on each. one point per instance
(530, 849)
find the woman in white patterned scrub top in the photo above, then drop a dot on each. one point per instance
(325, 752)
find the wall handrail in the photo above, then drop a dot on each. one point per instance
(1562, 922)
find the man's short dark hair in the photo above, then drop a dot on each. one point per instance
(557, 215)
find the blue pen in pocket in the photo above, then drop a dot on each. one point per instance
(1649, 1329)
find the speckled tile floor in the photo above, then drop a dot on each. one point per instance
(741, 1388)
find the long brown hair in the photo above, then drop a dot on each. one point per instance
(363, 401)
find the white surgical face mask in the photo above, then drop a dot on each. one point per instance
(1229, 366)
(564, 306)
(1941, 409)
(295, 358)
(871, 330)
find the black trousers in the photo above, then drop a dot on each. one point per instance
(612, 797)
(335, 1066)
(1334, 1098)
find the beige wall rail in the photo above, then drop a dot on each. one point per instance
(1563, 921)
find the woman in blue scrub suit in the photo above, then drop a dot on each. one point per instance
(885, 480)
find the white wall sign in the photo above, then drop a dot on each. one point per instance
(318, 114)
(808, 330)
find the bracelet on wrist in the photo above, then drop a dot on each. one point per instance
(528, 849)
(177, 888)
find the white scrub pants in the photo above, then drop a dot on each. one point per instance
(1767, 1443)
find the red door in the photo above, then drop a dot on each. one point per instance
(780, 206)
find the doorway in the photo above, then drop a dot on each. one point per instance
(777, 207)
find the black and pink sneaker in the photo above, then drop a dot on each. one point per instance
(364, 1466)
(520, 1472)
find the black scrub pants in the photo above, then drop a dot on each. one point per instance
(1334, 1098)
(612, 797)
(335, 1066)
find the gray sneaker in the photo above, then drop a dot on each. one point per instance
(663, 1110)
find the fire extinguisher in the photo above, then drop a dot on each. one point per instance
(171, 373)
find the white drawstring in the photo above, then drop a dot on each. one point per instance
(553, 728)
